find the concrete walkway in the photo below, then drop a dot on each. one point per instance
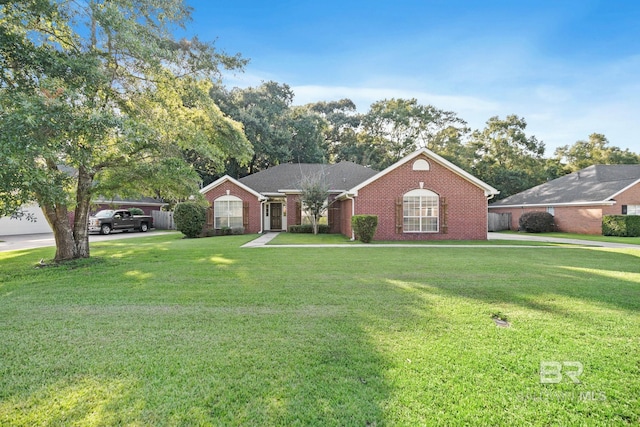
(262, 241)
(535, 238)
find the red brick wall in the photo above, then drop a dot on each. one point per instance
(568, 219)
(234, 190)
(628, 197)
(466, 203)
(293, 206)
(345, 216)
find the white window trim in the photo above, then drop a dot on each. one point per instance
(421, 193)
(226, 198)
(633, 209)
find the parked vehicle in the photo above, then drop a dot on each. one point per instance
(109, 220)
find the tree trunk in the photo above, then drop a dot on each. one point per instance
(72, 240)
(80, 221)
(58, 218)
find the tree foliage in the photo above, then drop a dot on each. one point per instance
(394, 128)
(506, 158)
(314, 198)
(596, 150)
(99, 98)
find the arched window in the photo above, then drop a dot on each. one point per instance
(227, 211)
(421, 165)
(420, 211)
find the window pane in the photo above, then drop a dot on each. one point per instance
(228, 213)
(420, 213)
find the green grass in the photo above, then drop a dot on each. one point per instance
(310, 239)
(338, 239)
(590, 237)
(166, 331)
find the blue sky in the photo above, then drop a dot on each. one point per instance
(570, 68)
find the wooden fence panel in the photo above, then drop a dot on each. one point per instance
(163, 220)
(499, 221)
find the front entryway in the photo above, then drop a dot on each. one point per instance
(275, 223)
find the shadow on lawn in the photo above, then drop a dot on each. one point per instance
(593, 276)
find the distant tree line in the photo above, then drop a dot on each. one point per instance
(501, 154)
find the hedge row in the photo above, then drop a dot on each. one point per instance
(308, 228)
(621, 225)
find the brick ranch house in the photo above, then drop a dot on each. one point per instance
(578, 201)
(420, 197)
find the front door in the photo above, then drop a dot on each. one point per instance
(276, 216)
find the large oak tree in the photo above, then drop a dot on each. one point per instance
(98, 97)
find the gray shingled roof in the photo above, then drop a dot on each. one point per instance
(288, 176)
(596, 183)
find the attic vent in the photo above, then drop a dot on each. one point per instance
(421, 165)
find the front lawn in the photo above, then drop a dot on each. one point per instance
(161, 330)
(591, 237)
(339, 239)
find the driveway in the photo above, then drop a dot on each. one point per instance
(31, 241)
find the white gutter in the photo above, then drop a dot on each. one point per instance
(541, 205)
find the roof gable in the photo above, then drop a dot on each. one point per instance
(226, 178)
(488, 190)
(596, 184)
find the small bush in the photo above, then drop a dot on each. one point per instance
(621, 225)
(308, 228)
(136, 211)
(536, 222)
(209, 232)
(237, 230)
(364, 227)
(190, 217)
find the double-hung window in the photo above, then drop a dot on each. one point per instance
(227, 211)
(420, 211)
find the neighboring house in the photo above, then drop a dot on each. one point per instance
(147, 204)
(36, 224)
(579, 200)
(10, 226)
(421, 197)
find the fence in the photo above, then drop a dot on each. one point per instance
(163, 220)
(499, 221)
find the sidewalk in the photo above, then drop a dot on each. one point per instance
(266, 238)
(534, 238)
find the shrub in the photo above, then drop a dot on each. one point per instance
(308, 228)
(621, 225)
(237, 230)
(364, 227)
(190, 218)
(136, 211)
(536, 222)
